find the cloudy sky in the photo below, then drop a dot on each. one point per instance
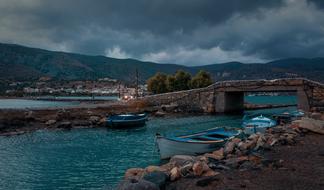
(189, 32)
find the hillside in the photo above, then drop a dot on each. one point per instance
(24, 63)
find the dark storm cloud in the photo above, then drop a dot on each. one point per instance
(318, 3)
(154, 15)
(179, 31)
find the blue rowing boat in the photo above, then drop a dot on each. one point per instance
(127, 120)
(257, 124)
(194, 144)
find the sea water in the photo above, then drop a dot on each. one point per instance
(94, 158)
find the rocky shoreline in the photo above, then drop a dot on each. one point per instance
(248, 156)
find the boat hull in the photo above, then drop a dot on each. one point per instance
(127, 121)
(252, 130)
(126, 124)
(168, 147)
(258, 125)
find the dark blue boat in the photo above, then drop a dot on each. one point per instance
(127, 120)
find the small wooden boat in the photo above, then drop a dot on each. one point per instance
(257, 124)
(198, 143)
(127, 120)
(297, 114)
(288, 116)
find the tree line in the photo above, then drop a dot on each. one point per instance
(181, 80)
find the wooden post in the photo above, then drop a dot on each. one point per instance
(136, 87)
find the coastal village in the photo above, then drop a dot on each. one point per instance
(45, 86)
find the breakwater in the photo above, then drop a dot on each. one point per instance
(17, 121)
(83, 114)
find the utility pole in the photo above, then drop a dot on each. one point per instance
(119, 90)
(93, 84)
(136, 87)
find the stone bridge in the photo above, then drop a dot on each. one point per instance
(228, 96)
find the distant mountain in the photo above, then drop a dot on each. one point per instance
(24, 63)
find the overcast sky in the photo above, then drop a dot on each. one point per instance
(188, 32)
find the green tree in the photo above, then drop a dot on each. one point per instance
(158, 83)
(182, 80)
(202, 79)
(171, 83)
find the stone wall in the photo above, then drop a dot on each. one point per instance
(200, 100)
(316, 95)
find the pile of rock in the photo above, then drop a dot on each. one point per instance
(241, 154)
(246, 153)
(84, 121)
(314, 124)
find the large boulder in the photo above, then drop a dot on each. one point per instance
(229, 147)
(29, 116)
(213, 156)
(94, 119)
(181, 160)
(150, 169)
(159, 114)
(64, 125)
(158, 178)
(247, 145)
(236, 140)
(136, 184)
(210, 173)
(135, 173)
(175, 174)
(169, 108)
(63, 115)
(186, 170)
(166, 167)
(316, 126)
(50, 122)
(219, 154)
(199, 168)
(102, 121)
(316, 116)
(260, 142)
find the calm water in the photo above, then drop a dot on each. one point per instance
(111, 98)
(91, 158)
(21, 104)
(271, 99)
(68, 101)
